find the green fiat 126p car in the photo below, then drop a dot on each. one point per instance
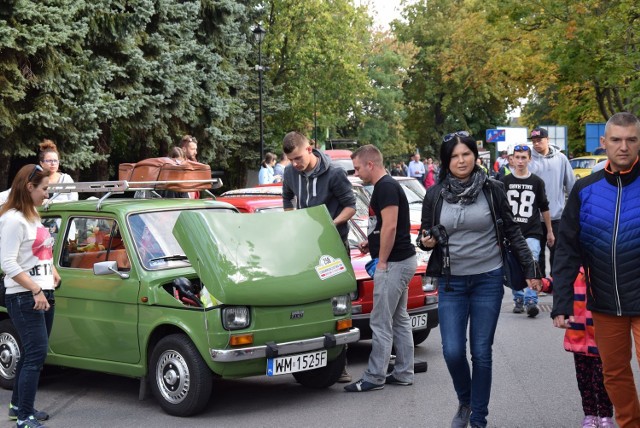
(178, 292)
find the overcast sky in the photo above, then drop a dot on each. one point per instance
(385, 11)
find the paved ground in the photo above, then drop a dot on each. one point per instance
(534, 387)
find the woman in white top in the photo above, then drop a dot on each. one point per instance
(26, 258)
(266, 176)
(50, 161)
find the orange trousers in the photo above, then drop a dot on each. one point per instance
(613, 337)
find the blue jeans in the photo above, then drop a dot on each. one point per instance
(390, 323)
(528, 296)
(34, 327)
(475, 301)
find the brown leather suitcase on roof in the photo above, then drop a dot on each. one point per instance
(187, 170)
(166, 169)
(125, 170)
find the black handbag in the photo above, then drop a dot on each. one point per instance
(513, 273)
(514, 276)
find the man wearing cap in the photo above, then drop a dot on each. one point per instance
(550, 164)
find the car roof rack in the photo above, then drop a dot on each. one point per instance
(121, 186)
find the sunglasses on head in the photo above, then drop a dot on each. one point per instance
(521, 148)
(453, 135)
(35, 169)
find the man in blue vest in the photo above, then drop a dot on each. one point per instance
(599, 230)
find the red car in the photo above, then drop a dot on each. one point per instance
(362, 198)
(342, 158)
(422, 303)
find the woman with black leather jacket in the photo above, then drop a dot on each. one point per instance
(470, 212)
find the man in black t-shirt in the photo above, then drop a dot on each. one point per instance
(388, 241)
(528, 200)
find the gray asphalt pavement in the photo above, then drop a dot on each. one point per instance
(534, 387)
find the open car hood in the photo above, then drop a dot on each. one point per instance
(279, 258)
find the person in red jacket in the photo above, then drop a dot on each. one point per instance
(501, 161)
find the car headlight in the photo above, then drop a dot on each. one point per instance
(429, 283)
(341, 305)
(236, 317)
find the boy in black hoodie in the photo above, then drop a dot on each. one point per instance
(311, 180)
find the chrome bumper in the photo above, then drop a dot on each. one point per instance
(295, 347)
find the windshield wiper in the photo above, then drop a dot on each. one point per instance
(170, 258)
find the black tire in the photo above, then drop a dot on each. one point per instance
(325, 376)
(179, 378)
(420, 336)
(10, 351)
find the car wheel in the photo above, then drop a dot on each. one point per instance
(326, 376)
(180, 379)
(9, 353)
(420, 336)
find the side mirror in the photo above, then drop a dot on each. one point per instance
(107, 268)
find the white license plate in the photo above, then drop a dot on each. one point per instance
(418, 321)
(296, 363)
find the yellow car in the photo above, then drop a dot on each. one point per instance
(582, 165)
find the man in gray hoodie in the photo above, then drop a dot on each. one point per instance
(550, 164)
(311, 180)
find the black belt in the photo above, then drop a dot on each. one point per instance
(24, 293)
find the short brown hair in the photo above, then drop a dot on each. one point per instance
(369, 153)
(293, 140)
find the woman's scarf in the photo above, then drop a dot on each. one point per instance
(457, 192)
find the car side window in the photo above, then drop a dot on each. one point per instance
(90, 240)
(53, 224)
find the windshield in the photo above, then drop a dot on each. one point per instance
(356, 235)
(412, 197)
(346, 164)
(415, 186)
(155, 244)
(582, 163)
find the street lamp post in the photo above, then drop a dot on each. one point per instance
(258, 34)
(315, 118)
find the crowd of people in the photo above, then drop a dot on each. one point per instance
(424, 171)
(593, 270)
(468, 219)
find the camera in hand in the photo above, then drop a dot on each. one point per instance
(439, 233)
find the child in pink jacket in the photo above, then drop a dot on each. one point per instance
(580, 339)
